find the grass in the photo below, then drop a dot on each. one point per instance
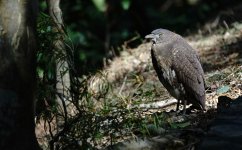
(98, 119)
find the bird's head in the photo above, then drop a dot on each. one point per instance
(160, 36)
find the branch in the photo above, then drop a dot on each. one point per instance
(160, 104)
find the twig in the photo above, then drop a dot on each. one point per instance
(121, 89)
(160, 104)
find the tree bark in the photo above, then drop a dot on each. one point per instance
(62, 69)
(17, 74)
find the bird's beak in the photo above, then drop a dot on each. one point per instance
(150, 36)
(153, 37)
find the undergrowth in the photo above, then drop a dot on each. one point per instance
(86, 118)
(93, 115)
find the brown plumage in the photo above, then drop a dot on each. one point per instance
(178, 68)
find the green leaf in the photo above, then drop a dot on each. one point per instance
(180, 125)
(184, 124)
(125, 4)
(223, 89)
(40, 72)
(100, 5)
(82, 56)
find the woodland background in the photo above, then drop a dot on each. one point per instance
(111, 72)
(99, 28)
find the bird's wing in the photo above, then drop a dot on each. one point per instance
(188, 70)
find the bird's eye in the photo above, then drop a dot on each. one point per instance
(160, 34)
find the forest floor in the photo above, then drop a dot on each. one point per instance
(132, 76)
(132, 82)
(221, 57)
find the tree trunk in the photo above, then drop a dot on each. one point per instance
(17, 74)
(62, 69)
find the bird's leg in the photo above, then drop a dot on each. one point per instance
(177, 105)
(184, 107)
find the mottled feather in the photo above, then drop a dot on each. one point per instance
(190, 74)
(178, 67)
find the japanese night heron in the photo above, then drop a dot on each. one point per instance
(178, 68)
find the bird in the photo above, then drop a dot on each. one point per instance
(178, 68)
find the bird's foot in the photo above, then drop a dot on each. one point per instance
(181, 112)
